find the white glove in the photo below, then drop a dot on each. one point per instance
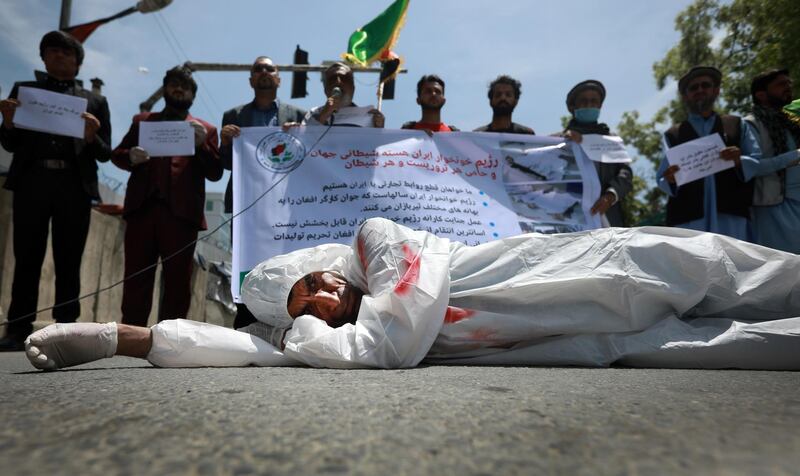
(199, 133)
(64, 345)
(138, 155)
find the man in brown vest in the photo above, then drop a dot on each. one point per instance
(718, 203)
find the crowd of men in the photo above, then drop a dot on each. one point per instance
(54, 177)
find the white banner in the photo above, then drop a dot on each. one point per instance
(469, 187)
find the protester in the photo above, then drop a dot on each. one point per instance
(719, 203)
(340, 90)
(164, 205)
(264, 110)
(776, 199)
(504, 93)
(430, 97)
(584, 101)
(54, 180)
(641, 296)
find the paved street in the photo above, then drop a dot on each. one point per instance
(121, 416)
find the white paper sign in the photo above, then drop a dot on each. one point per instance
(608, 149)
(166, 138)
(698, 158)
(354, 116)
(54, 113)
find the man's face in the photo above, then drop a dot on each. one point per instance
(779, 91)
(178, 94)
(431, 96)
(503, 99)
(60, 62)
(701, 94)
(588, 98)
(325, 295)
(264, 75)
(344, 80)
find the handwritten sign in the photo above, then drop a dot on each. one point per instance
(54, 113)
(608, 149)
(698, 158)
(452, 185)
(166, 138)
(354, 116)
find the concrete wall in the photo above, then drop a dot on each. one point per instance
(102, 266)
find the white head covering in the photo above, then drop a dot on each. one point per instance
(265, 289)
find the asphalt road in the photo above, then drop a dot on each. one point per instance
(121, 416)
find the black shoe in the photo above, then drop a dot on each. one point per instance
(12, 344)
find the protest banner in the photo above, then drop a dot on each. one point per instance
(55, 113)
(318, 184)
(698, 158)
(166, 138)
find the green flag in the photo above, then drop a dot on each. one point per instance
(376, 38)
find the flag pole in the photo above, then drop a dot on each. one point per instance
(380, 94)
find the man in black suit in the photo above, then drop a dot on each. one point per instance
(54, 179)
(264, 110)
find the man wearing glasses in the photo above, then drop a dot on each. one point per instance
(718, 203)
(264, 110)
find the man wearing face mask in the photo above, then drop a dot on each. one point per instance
(164, 205)
(504, 93)
(54, 180)
(264, 110)
(584, 101)
(339, 109)
(776, 200)
(719, 203)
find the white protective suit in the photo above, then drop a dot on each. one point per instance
(665, 297)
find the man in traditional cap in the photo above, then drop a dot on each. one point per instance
(719, 203)
(430, 97)
(776, 199)
(54, 180)
(165, 205)
(504, 93)
(264, 110)
(398, 296)
(584, 101)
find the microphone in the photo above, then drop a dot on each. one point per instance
(336, 93)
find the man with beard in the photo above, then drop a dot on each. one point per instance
(584, 101)
(719, 203)
(164, 205)
(54, 180)
(430, 97)
(504, 95)
(339, 109)
(264, 110)
(776, 200)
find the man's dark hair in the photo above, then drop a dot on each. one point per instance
(762, 80)
(60, 39)
(505, 79)
(429, 78)
(183, 75)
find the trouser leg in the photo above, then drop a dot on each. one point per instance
(173, 236)
(140, 253)
(71, 216)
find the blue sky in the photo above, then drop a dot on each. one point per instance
(548, 45)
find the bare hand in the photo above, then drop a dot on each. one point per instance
(8, 107)
(92, 125)
(288, 125)
(199, 133)
(377, 118)
(731, 153)
(669, 174)
(574, 136)
(603, 203)
(227, 134)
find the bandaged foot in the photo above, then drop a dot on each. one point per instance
(64, 345)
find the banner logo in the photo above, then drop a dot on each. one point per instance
(280, 152)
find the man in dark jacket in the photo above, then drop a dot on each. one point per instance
(164, 205)
(504, 93)
(54, 180)
(264, 110)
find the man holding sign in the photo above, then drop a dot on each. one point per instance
(170, 154)
(719, 200)
(57, 131)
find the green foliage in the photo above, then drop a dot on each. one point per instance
(758, 35)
